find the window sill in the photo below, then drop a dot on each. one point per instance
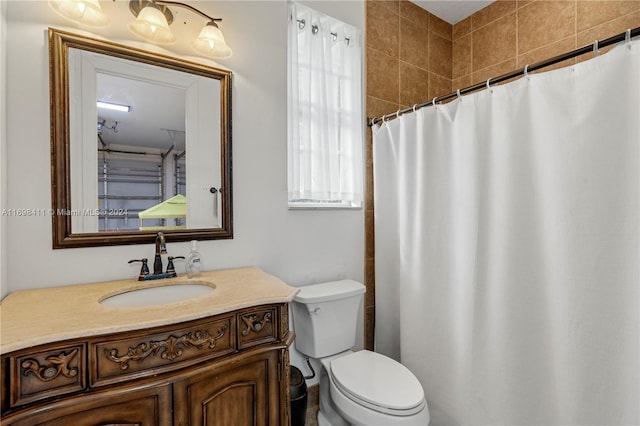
(324, 206)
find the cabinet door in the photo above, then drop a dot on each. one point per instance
(129, 406)
(242, 392)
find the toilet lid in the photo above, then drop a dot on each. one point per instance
(377, 380)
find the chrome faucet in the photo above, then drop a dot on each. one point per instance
(161, 248)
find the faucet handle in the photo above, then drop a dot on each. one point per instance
(144, 270)
(170, 267)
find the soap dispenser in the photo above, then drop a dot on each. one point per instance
(194, 263)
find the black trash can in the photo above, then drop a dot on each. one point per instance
(298, 392)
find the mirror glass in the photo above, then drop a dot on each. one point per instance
(140, 144)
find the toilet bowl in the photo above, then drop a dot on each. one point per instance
(358, 388)
(367, 388)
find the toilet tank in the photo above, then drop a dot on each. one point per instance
(325, 317)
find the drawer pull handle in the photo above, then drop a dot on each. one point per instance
(56, 365)
(169, 348)
(251, 323)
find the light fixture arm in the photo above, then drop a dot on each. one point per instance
(153, 18)
(186, 6)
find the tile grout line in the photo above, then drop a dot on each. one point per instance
(575, 26)
(399, 77)
(517, 33)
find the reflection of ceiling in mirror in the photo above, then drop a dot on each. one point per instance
(156, 118)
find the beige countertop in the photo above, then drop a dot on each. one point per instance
(34, 317)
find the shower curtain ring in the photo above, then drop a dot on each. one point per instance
(398, 114)
(595, 48)
(489, 83)
(414, 107)
(458, 93)
(433, 102)
(627, 38)
(526, 71)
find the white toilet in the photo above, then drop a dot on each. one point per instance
(358, 388)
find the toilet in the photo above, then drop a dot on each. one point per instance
(356, 388)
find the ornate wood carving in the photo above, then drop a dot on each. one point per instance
(252, 324)
(56, 365)
(284, 321)
(169, 349)
(163, 375)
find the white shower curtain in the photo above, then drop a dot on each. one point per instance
(507, 248)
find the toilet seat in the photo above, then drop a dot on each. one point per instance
(378, 383)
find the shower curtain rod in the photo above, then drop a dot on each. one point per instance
(593, 47)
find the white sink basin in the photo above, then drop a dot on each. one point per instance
(157, 295)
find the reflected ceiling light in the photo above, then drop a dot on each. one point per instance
(152, 24)
(83, 12)
(114, 107)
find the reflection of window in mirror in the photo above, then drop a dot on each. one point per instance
(133, 170)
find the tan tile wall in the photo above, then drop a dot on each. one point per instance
(409, 55)
(409, 59)
(510, 34)
(413, 56)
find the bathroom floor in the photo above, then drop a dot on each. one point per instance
(312, 406)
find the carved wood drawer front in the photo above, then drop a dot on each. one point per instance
(56, 371)
(160, 350)
(257, 326)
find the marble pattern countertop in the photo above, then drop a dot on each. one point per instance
(34, 317)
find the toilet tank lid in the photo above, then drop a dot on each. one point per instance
(333, 290)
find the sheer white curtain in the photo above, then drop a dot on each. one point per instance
(507, 248)
(324, 108)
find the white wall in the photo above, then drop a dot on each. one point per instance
(300, 247)
(3, 156)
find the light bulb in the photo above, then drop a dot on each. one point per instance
(151, 25)
(211, 43)
(83, 12)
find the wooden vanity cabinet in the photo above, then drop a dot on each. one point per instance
(241, 390)
(126, 406)
(229, 369)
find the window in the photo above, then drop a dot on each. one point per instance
(325, 120)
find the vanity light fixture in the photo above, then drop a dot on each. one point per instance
(211, 42)
(112, 106)
(151, 23)
(83, 12)
(153, 18)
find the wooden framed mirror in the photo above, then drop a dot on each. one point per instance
(162, 162)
